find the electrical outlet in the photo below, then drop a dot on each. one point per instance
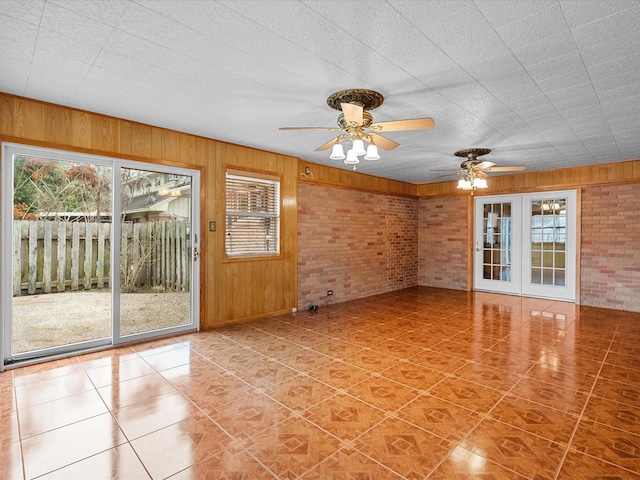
(212, 226)
(329, 293)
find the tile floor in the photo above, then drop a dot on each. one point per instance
(421, 383)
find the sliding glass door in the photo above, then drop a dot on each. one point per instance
(96, 251)
(155, 250)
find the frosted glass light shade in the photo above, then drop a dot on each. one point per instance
(480, 183)
(337, 152)
(352, 158)
(464, 184)
(372, 153)
(358, 147)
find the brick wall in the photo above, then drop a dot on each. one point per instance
(442, 242)
(610, 247)
(360, 244)
(354, 243)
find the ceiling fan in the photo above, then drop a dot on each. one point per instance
(357, 126)
(473, 172)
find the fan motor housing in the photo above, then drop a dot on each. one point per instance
(369, 99)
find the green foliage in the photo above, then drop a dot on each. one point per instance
(43, 187)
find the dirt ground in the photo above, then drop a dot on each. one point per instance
(46, 320)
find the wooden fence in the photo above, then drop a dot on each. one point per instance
(52, 256)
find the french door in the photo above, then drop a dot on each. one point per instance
(96, 252)
(525, 244)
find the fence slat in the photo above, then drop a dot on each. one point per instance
(75, 256)
(48, 256)
(17, 257)
(33, 257)
(124, 254)
(88, 254)
(101, 257)
(62, 255)
(179, 260)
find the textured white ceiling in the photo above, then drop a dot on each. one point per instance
(544, 83)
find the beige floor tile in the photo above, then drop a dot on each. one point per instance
(292, 447)
(344, 416)
(407, 450)
(63, 446)
(440, 417)
(515, 449)
(348, 464)
(118, 463)
(180, 445)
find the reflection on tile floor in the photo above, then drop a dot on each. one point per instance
(420, 383)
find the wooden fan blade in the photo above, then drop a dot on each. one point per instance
(483, 165)
(383, 142)
(327, 145)
(517, 168)
(352, 113)
(310, 128)
(414, 124)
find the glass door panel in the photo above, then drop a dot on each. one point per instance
(549, 251)
(155, 251)
(60, 228)
(497, 235)
(495, 245)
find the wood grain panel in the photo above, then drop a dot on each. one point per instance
(156, 142)
(343, 178)
(103, 134)
(81, 129)
(187, 148)
(25, 127)
(57, 126)
(124, 140)
(141, 140)
(230, 291)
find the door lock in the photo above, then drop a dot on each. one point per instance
(196, 253)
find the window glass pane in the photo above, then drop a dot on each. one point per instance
(536, 274)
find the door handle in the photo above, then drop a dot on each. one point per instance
(196, 253)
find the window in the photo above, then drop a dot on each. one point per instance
(253, 215)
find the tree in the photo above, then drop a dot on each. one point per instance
(45, 188)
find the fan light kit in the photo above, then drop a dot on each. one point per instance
(357, 124)
(473, 171)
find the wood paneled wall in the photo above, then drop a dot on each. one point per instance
(347, 178)
(231, 291)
